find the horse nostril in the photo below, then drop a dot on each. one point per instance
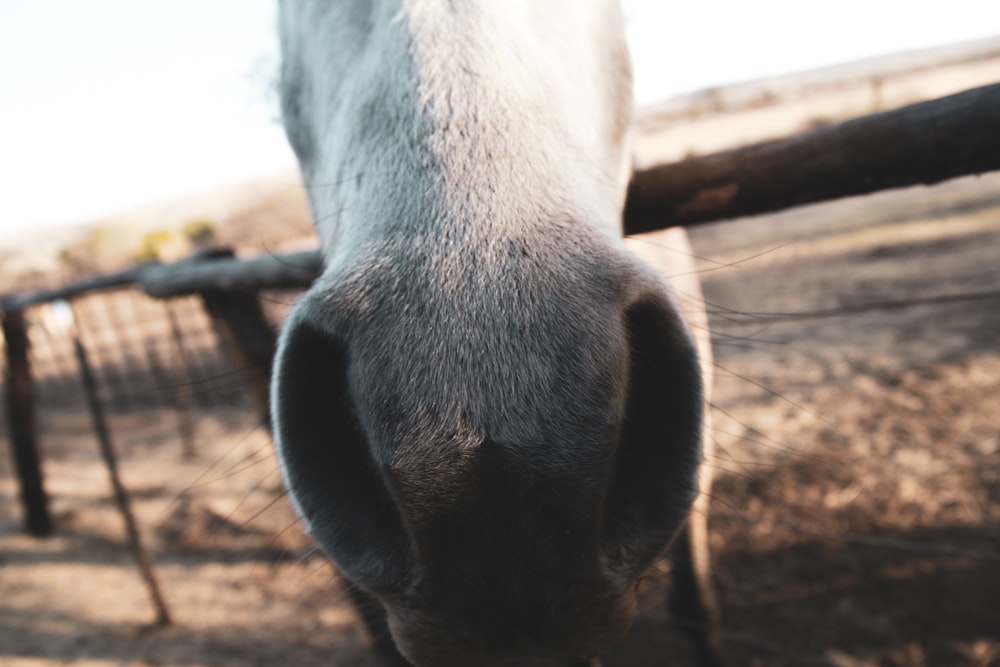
(654, 477)
(329, 469)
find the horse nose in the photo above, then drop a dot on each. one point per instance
(495, 514)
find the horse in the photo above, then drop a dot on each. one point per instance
(488, 409)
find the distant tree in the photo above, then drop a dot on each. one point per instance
(200, 233)
(152, 245)
(82, 257)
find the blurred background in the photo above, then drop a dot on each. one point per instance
(856, 517)
(110, 105)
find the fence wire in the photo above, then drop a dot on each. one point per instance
(147, 353)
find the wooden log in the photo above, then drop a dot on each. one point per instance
(239, 321)
(103, 282)
(245, 333)
(21, 417)
(197, 275)
(139, 551)
(921, 143)
(183, 385)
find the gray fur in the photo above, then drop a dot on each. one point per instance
(488, 410)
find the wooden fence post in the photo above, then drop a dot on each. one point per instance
(20, 406)
(183, 365)
(142, 556)
(239, 321)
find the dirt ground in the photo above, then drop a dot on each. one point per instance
(856, 516)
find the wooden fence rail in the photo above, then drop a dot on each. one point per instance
(20, 406)
(917, 144)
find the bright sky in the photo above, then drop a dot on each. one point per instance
(106, 104)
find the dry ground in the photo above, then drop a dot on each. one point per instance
(857, 504)
(858, 517)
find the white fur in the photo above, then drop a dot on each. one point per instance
(464, 402)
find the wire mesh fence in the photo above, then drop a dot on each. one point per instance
(147, 353)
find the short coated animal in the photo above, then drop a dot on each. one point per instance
(488, 410)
